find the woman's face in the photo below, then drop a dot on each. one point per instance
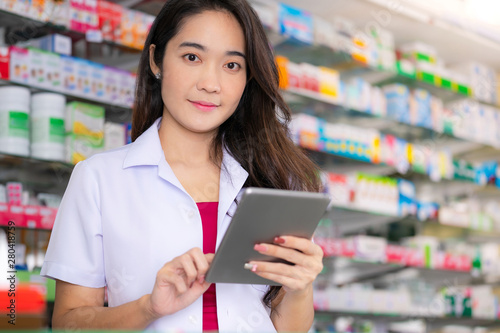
(204, 72)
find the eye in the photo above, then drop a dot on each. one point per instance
(234, 66)
(191, 57)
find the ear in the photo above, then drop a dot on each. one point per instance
(152, 64)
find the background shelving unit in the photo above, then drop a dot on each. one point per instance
(407, 22)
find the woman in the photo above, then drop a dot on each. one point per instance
(137, 218)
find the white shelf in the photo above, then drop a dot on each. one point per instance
(408, 24)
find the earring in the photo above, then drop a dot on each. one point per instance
(158, 75)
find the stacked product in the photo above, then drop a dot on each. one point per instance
(115, 135)
(47, 126)
(14, 120)
(378, 194)
(482, 80)
(370, 145)
(419, 60)
(114, 22)
(84, 131)
(69, 75)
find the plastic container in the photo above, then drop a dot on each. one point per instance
(47, 123)
(14, 120)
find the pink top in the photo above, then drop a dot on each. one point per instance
(208, 212)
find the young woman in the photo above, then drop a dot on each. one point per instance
(144, 220)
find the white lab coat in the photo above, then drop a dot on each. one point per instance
(125, 214)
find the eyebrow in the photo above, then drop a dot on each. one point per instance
(203, 48)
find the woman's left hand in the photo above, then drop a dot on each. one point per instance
(306, 256)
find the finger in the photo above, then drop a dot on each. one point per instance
(291, 255)
(189, 268)
(295, 272)
(200, 261)
(209, 257)
(285, 281)
(170, 278)
(304, 245)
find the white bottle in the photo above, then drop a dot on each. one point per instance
(47, 123)
(14, 120)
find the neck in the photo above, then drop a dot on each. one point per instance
(183, 146)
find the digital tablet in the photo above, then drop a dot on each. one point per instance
(263, 214)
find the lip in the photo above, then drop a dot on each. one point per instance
(204, 106)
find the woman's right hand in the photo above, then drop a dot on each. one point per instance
(180, 282)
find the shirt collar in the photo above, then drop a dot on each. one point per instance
(147, 150)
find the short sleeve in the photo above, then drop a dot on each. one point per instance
(75, 251)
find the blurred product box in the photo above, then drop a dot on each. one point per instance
(358, 94)
(45, 69)
(420, 108)
(282, 63)
(419, 52)
(305, 130)
(83, 15)
(427, 245)
(406, 68)
(407, 198)
(323, 32)
(4, 62)
(420, 158)
(55, 43)
(296, 23)
(82, 71)
(378, 103)
(96, 72)
(110, 16)
(482, 80)
(85, 119)
(341, 189)
(114, 135)
(128, 133)
(377, 194)
(268, 13)
(79, 148)
(85, 131)
(134, 28)
(437, 116)
(370, 248)
(310, 76)
(111, 81)
(19, 69)
(398, 102)
(427, 210)
(69, 74)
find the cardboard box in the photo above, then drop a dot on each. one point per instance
(110, 16)
(19, 68)
(79, 148)
(82, 71)
(398, 102)
(111, 82)
(114, 135)
(85, 119)
(37, 74)
(96, 73)
(68, 75)
(4, 62)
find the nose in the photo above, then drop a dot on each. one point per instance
(209, 79)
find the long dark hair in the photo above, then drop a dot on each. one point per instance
(256, 135)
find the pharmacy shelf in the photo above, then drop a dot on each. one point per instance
(348, 67)
(22, 28)
(331, 159)
(333, 111)
(326, 314)
(114, 108)
(345, 270)
(37, 174)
